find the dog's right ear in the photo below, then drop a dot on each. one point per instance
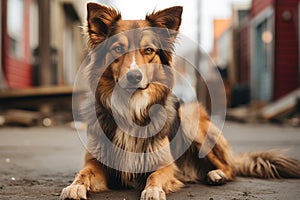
(100, 18)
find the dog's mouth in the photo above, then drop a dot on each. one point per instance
(143, 87)
(132, 88)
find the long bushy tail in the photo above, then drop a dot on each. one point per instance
(268, 164)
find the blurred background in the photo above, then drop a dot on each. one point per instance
(253, 44)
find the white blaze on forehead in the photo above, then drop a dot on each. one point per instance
(133, 65)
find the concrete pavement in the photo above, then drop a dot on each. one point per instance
(36, 163)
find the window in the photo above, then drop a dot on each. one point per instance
(15, 27)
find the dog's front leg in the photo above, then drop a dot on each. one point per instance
(161, 182)
(90, 178)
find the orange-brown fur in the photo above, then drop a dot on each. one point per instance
(152, 55)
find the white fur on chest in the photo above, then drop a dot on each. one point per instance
(141, 155)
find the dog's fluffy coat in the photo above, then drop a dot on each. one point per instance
(151, 57)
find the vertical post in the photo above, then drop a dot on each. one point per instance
(44, 55)
(3, 43)
(198, 20)
(201, 87)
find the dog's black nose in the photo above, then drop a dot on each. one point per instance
(134, 76)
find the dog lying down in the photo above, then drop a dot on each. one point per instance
(139, 134)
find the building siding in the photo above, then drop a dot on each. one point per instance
(18, 75)
(244, 57)
(260, 5)
(286, 48)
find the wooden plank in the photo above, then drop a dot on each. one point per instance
(39, 91)
(21, 117)
(44, 61)
(281, 106)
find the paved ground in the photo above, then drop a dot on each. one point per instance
(36, 163)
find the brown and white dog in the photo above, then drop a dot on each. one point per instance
(139, 134)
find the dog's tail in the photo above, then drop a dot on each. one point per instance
(267, 164)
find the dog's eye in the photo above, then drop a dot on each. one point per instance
(119, 49)
(148, 51)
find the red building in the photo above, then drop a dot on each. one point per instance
(41, 43)
(16, 55)
(268, 48)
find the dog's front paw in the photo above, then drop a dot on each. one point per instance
(216, 177)
(153, 193)
(74, 192)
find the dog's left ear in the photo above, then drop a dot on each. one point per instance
(100, 18)
(169, 18)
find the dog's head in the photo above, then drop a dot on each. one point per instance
(136, 54)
